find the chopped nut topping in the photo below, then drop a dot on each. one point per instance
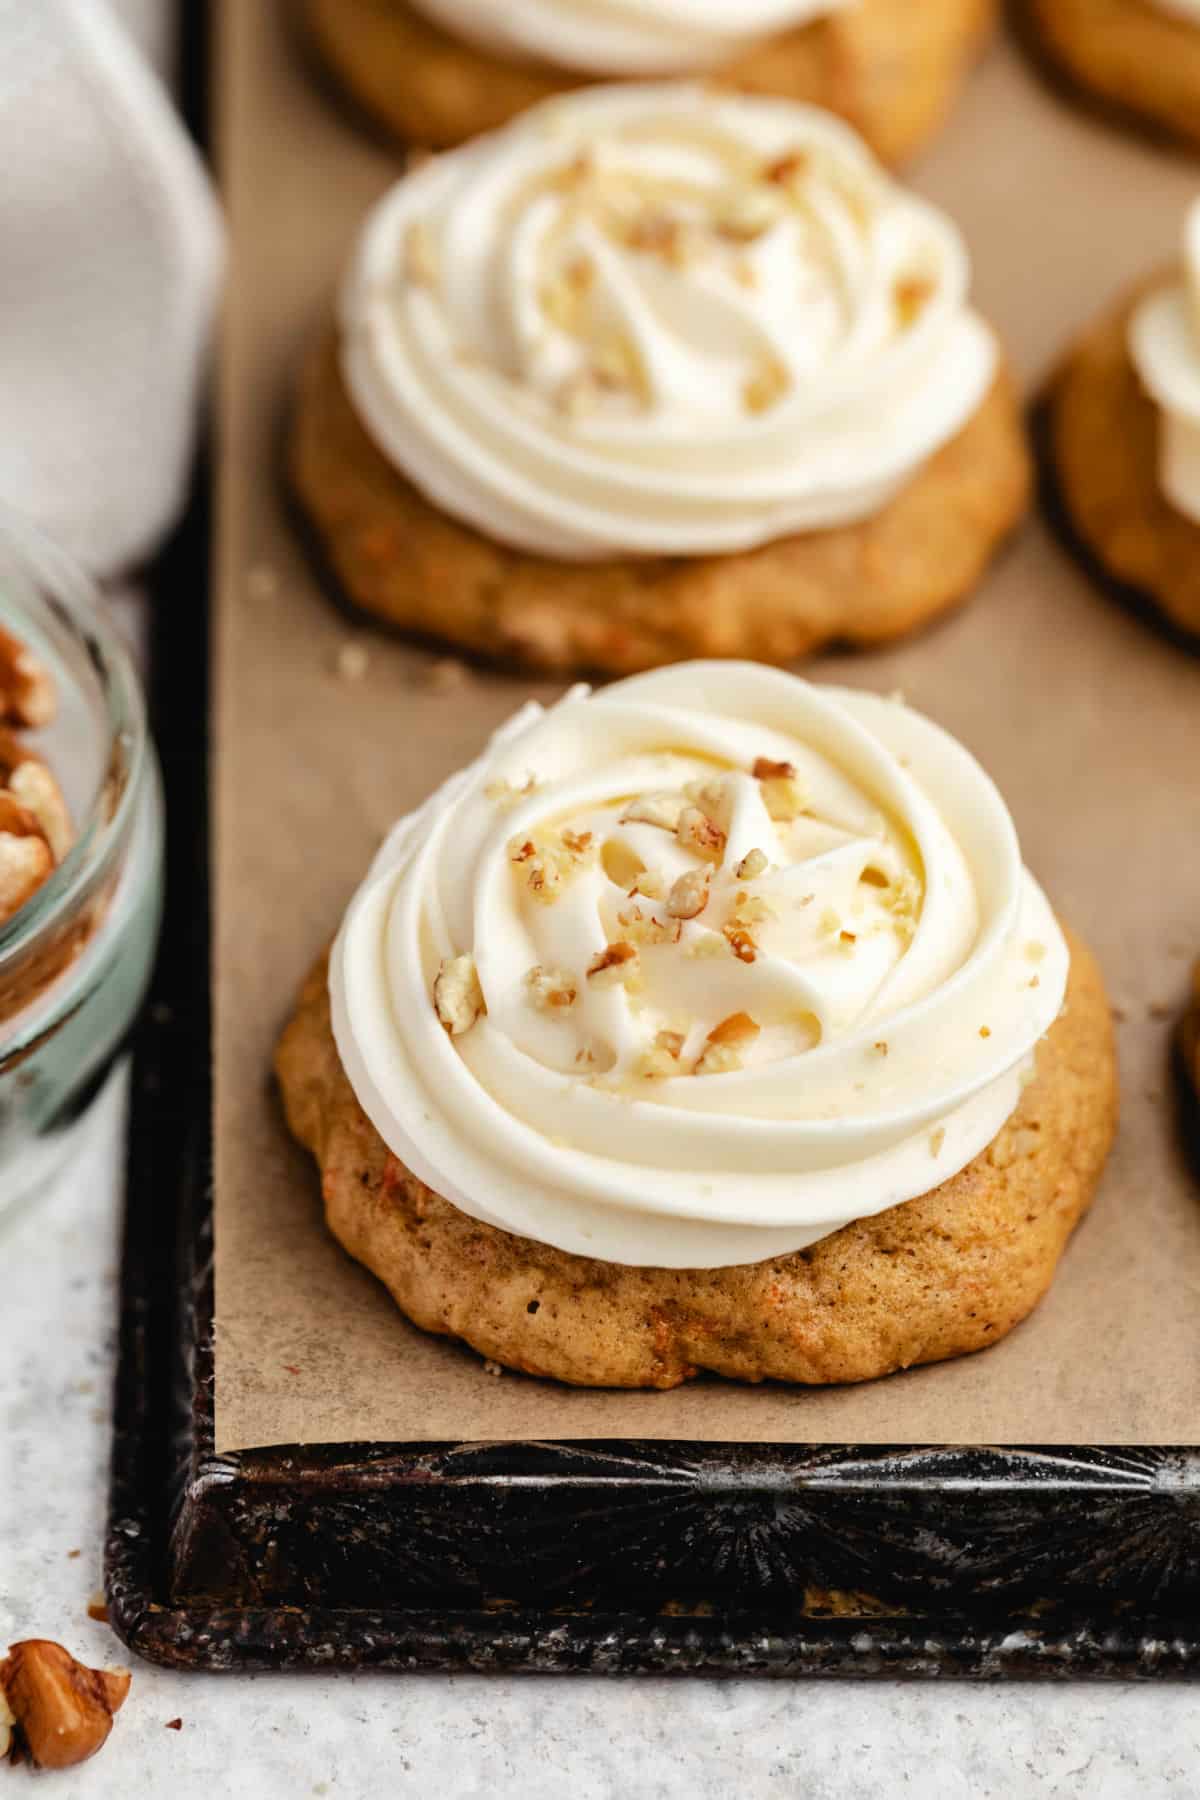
(740, 942)
(27, 695)
(783, 798)
(903, 902)
(658, 233)
(580, 274)
(752, 909)
(847, 938)
(985, 1031)
(507, 793)
(721, 1052)
(752, 865)
(550, 862)
(551, 990)
(710, 794)
(615, 363)
(689, 895)
(457, 995)
(662, 810)
(697, 832)
(649, 884)
(874, 878)
(738, 1028)
(911, 296)
(613, 965)
(787, 169)
(782, 794)
(881, 1046)
(936, 1140)
(644, 928)
(766, 387)
(420, 255)
(748, 215)
(57, 1710)
(661, 1061)
(707, 944)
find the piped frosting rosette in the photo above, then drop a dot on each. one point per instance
(697, 969)
(621, 37)
(647, 321)
(1164, 341)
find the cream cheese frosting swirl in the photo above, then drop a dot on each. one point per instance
(647, 321)
(697, 969)
(621, 37)
(1164, 341)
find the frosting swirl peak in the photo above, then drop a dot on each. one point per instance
(698, 969)
(660, 321)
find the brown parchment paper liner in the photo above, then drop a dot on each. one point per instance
(1088, 720)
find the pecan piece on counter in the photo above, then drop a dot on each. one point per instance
(53, 1709)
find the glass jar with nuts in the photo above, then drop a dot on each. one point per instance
(80, 853)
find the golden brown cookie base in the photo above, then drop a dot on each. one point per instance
(1103, 444)
(891, 67)
(1125, 54)
(397, 556)
(948, 1273)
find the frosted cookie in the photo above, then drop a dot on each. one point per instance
(1139, 57)
(707, 1022)
(441, 71)
(1124, 428)
(653, 374)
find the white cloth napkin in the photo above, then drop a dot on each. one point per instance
(111, 253)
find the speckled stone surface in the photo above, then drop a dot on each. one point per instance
(288, 1737)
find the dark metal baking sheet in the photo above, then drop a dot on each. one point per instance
(555, 1557)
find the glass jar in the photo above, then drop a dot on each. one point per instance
(75, 960)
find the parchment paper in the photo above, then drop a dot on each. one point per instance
(1087, 718)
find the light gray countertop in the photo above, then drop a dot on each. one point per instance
(288, 1737)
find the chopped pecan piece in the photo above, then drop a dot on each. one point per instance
(457, 995)
(613, 965)
(551, 990)
(722, 1051)
(27, 695)
(698, 833)
(752, 865)
(689, 895)
(661, 1061)
(662, 810)
(59, 1711)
